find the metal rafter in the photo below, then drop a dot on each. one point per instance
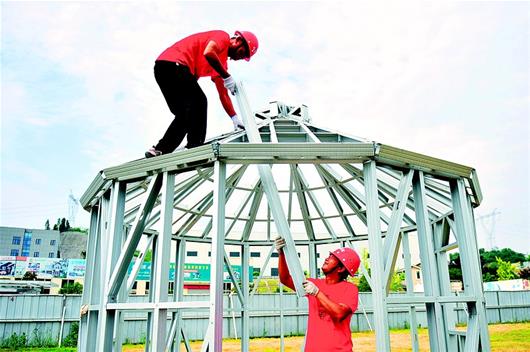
(302, 201)
(315, 202)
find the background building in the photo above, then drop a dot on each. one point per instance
(15, 241)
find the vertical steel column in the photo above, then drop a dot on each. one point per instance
(214, 336)
(313, 269)
(477, 331)
(88, 322)
(98, 293)
(111, 241)
(173, 341)
(123, 296)
(441, 239)
(428, 265)
(376, 257)
(161, 260)
(410, 292)
(245, 305)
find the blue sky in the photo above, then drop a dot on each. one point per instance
(447, 80)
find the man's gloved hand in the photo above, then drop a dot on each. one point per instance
(230, 84)
(237, 123)
(310, 288)
(83, 310)
(279, 243)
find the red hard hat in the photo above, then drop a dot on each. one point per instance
(349, 258)
(251, 40)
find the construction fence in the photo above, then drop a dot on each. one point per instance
(51, 316)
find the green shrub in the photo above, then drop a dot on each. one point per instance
(14, 342)
(39, 340)
(75, 288)
(71, 339)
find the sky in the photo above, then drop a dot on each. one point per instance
(448, 80)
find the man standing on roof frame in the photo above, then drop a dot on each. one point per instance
(177, 70)
(332, 300)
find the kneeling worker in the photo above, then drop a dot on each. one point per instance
(332, 300)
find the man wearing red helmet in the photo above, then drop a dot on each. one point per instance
(177, 70)
(332, 300)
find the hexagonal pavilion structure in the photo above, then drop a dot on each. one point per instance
(327, 188)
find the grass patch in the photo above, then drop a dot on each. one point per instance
(504, 338)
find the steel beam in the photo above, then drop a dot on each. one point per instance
(428, 265)
(173, 339)
(271, 191)
(88, 322)
(376, 257)
(161, 264)
(410, 292)
(471, 271)
(214, 336)
(245, 315)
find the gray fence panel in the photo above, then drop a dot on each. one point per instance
(42, 314)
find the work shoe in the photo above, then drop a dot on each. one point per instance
(152, 152)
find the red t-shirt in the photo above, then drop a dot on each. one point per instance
(189, 52)
(323, 335)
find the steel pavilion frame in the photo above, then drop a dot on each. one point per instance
(392, 193)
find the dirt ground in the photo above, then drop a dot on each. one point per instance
(504, 338)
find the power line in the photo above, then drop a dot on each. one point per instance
(490, 231)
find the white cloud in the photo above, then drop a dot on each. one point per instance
(410, 75)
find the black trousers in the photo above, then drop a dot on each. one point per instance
(186, 101)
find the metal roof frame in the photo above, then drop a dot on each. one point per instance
(332, 187)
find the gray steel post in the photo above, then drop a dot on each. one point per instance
(245, 305)
(376, 258)
(410, 291)
(87, 332)
(173, 340)
(214, 337)
(161, 260)
(477, 334)
(428, 265)
(103, 342)
(441, 237)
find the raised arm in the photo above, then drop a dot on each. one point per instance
(223, 96)
(283, 269)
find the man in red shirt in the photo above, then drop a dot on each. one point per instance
(332, 300)
(177, 70)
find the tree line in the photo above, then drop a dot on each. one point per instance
(497, 265)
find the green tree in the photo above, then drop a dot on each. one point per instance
(396, 283)
(506, 270)
(75, 288)
(363, 282)
(62, 225)
(56, 226)
(488, 261)
(47, 224)
(30, 276)
(524, 273)
(455, 270)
